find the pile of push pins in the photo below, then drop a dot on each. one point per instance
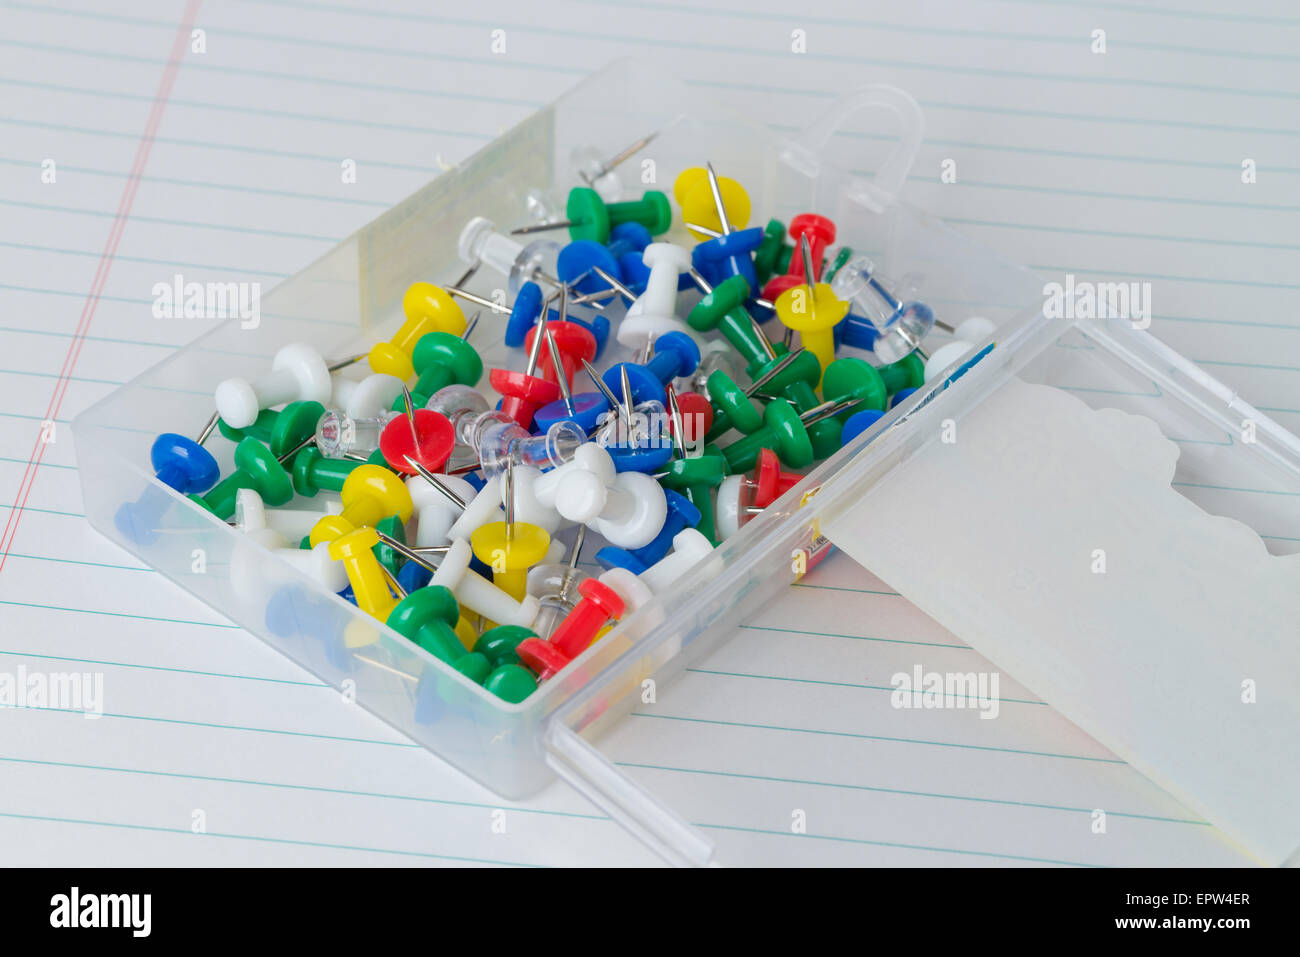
(440, 513)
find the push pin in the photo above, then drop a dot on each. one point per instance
(256, 467)
(900, 326)
(694, 191)
(783, 431)
(427, 309)
(593, 172)
(312, 472)
(476, 593)
(369, 493)
(438, 500)
(731, 253)
(741, 497)
(723, 308)
(365, 398)
(365, 574)
(428, 618)
(812, 310)
(297, 373)
(968, 333)
(510, 548)
(339, 435)
(441, 359)
(420, 434)
(180, 463)
(573, 345)
(628, 511)
(575, 633)
(589, 217)
(676, 356)
(555, 586)
(480, 241)
(655, 312)
(820, 233)
(523, 393)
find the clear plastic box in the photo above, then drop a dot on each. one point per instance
(352, 296)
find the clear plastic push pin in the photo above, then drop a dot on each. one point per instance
(901, 324)
(502, 443)
(338, 434)
(480, 240)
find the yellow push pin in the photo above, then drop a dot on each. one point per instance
(510, 548)
(813, 311)
(427, 309)
(370, 493)
(694, 192)
(366, 575)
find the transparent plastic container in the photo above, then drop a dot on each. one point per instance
(352, 296)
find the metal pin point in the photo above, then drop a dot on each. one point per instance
(536, 351)
(627, 402)
(310, 440)
(508, 491)
(806, 255)
(706, 287)
(385, 667)
(763, 340)
(679, 426)
(826, 410)
(437, 483)
(622, 289)
(604, 390)
(560, 378)
(393, 583)
(578, 542)
(564, 306)
(338, 364)
(410, 414)
(475, 298)
(543, 227)
(355, 457)
(717, 199)
(594, 299)
(649, 349)
(706, 230)
(468, 274)
(772, 373)
(405, 551)
(616, 159)
(207, 429)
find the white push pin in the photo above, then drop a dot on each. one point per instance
(365, 398)
(655, 312)
(477, 593)
(689, 548)
(313, 562)
(293, 524)
(589, 457)
(629, 512)
(435, 511)
(297, 373)
(483, 508)
(480, 241)
(968, 333)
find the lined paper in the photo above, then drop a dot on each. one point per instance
(1125, 165)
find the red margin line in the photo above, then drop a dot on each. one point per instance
(143, 148)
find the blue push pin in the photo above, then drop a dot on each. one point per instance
(578, 262)
(858, 423)
(676, 355)
(523, 314)
(180, 463)
(729, 255)
(682, 514)
(293, 611)
(857, 332)
(899, 397)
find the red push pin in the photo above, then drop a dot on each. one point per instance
(770, 482)
(821, 233)
(421, 434)
(697, 418)
(523, 393)
(575, 344)
(575, 633)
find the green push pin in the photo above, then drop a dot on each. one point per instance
(428, 617)
(389, 557)
(794, 377)
(441, 359)
(282, 430)
(768, 254)
(841, 259)
(783, 432)
(852, 378)
(732, 405)
(590, 217)
(313, 472)
(697, 478)
(723, 308)
(498, 644)
(256, 467)
(511, 682)
(907, 373)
